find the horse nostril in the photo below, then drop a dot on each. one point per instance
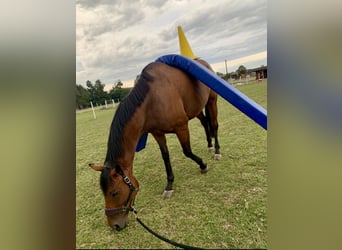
(118, 224)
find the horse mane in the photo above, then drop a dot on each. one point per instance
(123, 114)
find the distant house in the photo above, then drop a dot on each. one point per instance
(260, 72)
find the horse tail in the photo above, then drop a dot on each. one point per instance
(208, 118)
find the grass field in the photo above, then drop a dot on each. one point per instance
(225, 208)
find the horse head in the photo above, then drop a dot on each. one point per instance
(119, 190)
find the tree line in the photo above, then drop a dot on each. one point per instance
(240, 72)
(96, 94)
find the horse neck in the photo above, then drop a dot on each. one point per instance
(132, 132)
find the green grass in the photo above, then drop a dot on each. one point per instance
(225, 208)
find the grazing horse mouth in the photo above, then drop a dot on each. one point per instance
(118, 228)
(119, 224)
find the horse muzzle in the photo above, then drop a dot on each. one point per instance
(119, 223)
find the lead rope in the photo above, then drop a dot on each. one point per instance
(176, 244)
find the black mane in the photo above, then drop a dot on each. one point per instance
(123, 114)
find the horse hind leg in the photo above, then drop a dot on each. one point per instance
(211, 115)
(161, 140)
(217, 155)
(184, 139)
(206, 127)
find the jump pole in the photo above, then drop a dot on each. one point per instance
(239, 100)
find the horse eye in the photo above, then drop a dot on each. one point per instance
(113, 194)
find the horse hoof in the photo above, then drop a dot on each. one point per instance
(167, 194)
(203, 171)
(210, 149)
(217, 156)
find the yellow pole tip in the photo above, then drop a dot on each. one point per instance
(184, 45)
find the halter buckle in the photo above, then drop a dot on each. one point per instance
(127, 180)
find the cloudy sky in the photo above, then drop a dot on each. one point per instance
(116, 39)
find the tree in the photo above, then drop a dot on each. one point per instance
(223, 76)
(118, 85)
(241, 71)
(117, 92)
(96, 91)
(91, 90)
(220, 74)
(82, 97)
(100, 93)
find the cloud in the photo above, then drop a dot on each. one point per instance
(116, 39)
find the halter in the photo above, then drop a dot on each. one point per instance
(119, 210)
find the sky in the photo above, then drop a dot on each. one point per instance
(115, 40)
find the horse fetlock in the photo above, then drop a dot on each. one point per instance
(210, 149)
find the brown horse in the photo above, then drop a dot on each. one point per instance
(163, 101)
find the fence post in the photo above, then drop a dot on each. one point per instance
(92, 107)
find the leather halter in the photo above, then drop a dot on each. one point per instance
(125, 208)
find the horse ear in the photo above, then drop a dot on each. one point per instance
(96, 168)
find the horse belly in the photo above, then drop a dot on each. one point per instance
(195, 99)
(165, 114)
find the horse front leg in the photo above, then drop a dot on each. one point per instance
(161, 140)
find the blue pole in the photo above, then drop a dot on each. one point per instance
(239, 100)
